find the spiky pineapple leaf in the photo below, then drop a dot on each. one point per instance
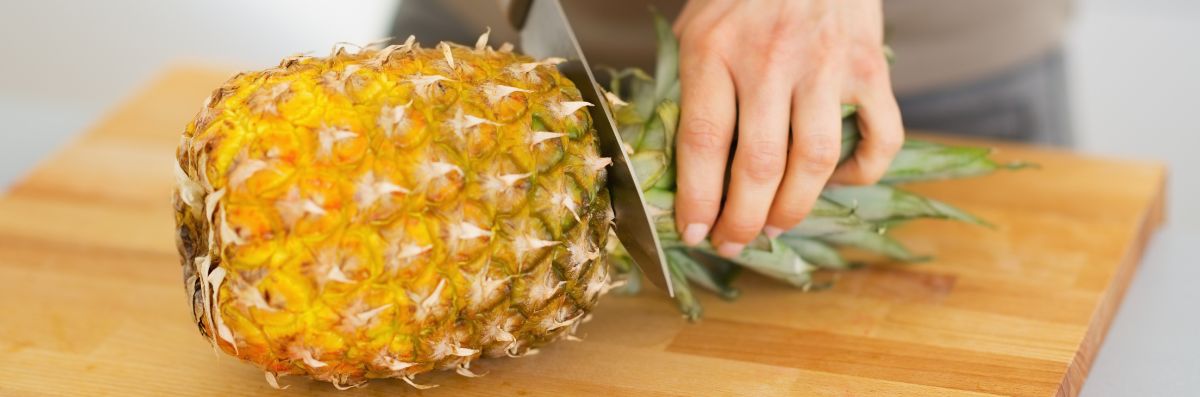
(617, 77)
(815, 252)
(641, 96)
(666, 181)
(817, 226)
(653, 137)
(700, 274)
(668, 114)
(827, 208)
(850, 136)
(854, 232)
(648, 166)
(772, 259)
(666, 69)
(684, 297)
(873, 241)
(848, 110)
(659, 201)
(924, 161)
(888, 203)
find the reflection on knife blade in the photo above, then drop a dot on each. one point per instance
(547, 33)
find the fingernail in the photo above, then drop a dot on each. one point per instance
(772, 231)
(694, 233)
(730, 250)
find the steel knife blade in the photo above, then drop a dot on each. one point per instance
(546, 32)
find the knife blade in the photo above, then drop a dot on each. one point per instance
(546, 32)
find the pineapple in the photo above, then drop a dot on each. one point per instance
(852, 216)
(386, 212)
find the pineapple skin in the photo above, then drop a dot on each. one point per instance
(383, 213)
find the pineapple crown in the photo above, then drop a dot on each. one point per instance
(647, 113)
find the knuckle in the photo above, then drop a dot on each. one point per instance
(781, 28)
(869, 67)
(703, 40)
(776, 58)
(701, 135)
(697, 202)
(764, 163)
(820, 52)
(826, 38)
(819, 155)
(780, 37)
(775, 47)
(828, 31)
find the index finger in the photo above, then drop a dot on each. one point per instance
(706, 125)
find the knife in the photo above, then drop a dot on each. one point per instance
(546, 32)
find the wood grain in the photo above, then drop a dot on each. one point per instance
(93, 302)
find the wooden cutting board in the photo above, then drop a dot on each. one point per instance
(92, 301)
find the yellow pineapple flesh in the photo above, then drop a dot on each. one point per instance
(385, 212)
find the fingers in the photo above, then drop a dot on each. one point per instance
(816, 144)
(758, 163)
(880, 124)
(728, 47)
(706, 126)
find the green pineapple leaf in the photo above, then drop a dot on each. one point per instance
(815, 252)
(924, 161)
(666, 70)
(773, 259)
(699, 274)
(888, 203)
(684, 297)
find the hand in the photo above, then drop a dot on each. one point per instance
(789, 64)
